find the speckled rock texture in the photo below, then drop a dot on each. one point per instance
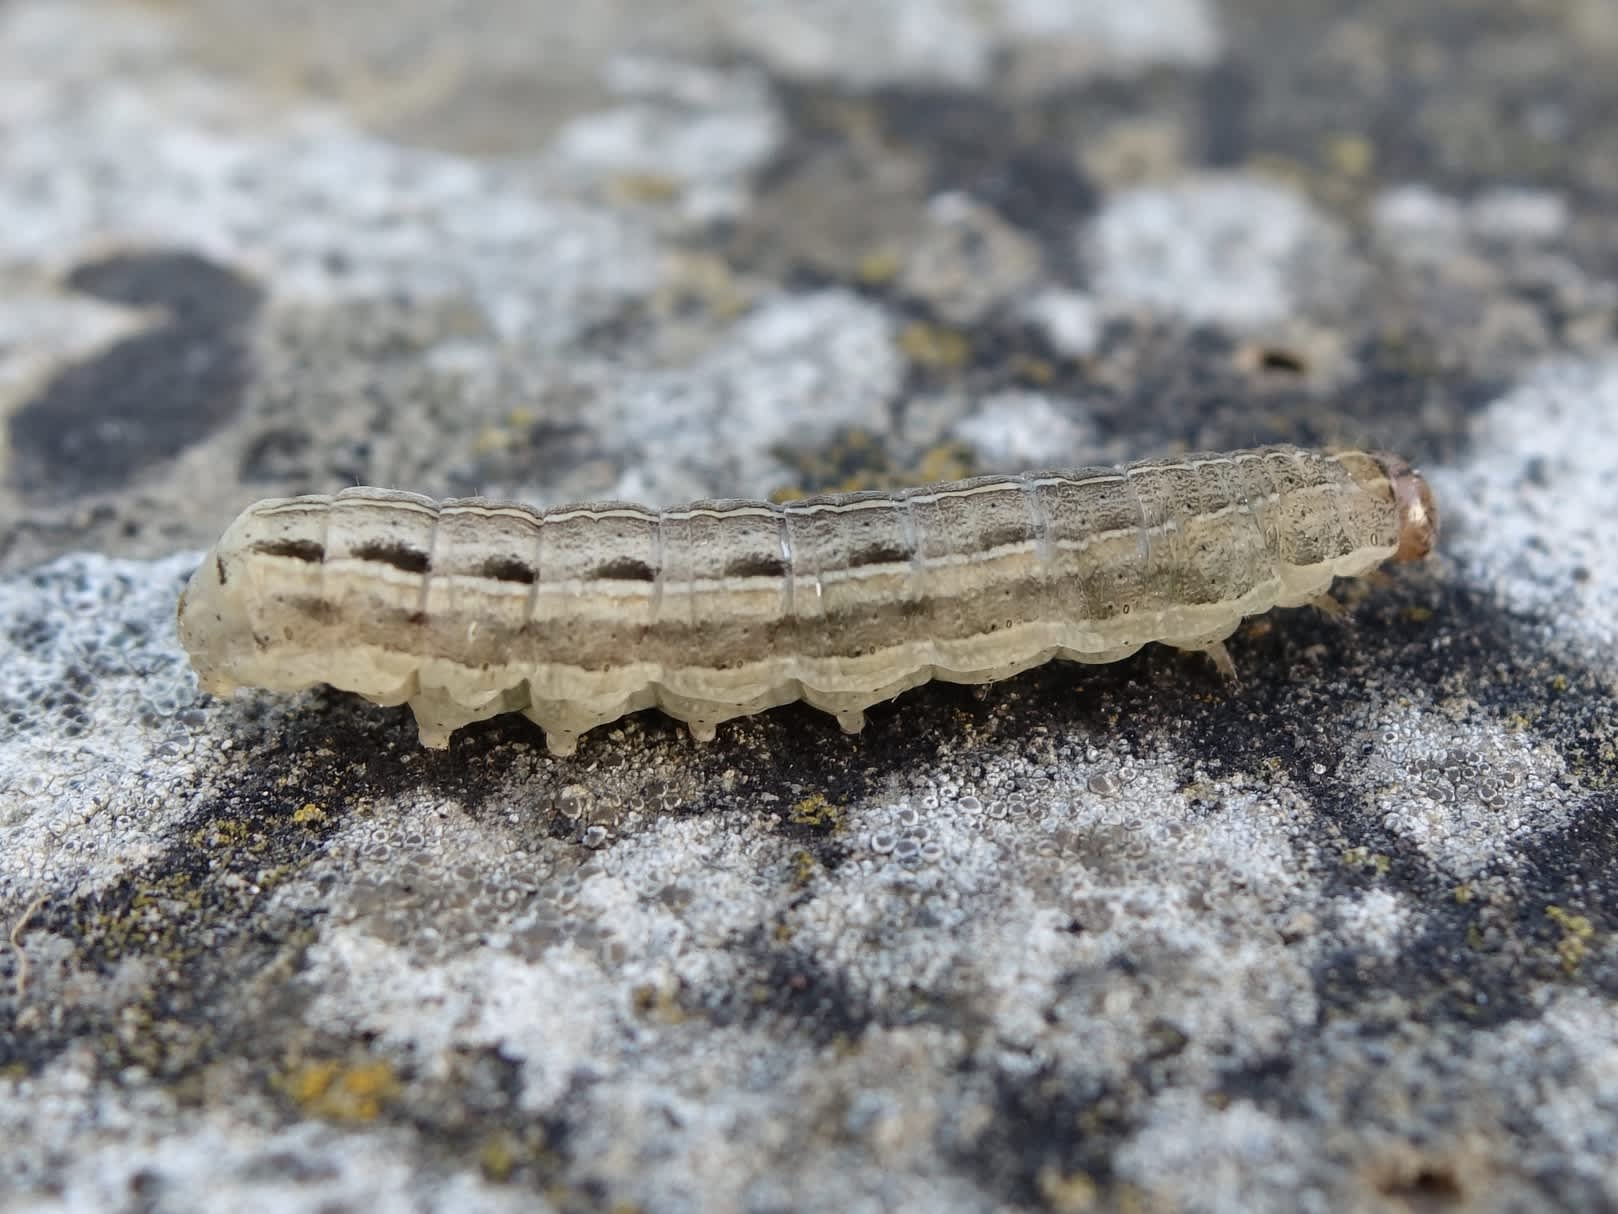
(1114, 938)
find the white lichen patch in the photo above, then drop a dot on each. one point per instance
(236, 1155)
(795, 368)
(678, 135)
(954, 42)
(1243, 1157)
(99, 735)
(1528, 512)
(1070, 320)
(1424, 225)
(1027, 430)
(1236, 252)
(308, 200)
(525, 956)
(1374, 923)
(1465, 792)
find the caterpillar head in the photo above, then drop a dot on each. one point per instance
(1418, 512)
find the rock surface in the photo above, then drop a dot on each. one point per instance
(1090, 939)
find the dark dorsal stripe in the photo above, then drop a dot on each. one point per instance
(880, 554)
(507, 569)
(756, 565)
(400, 556)
(625, 569)
(292, 550)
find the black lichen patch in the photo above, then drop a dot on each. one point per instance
(199, 919)
(791, 991)
(1018, 162)
(1395, 373)
(849, 188)
(1481, 944)
(207, 942)
(1475, 957)
(1463, 97)
(1195, 385)
(519, 446)
(1577, 866)
(193, 291)
(103, 423)
(1052, 1133)
(854, 460)
(276, 455)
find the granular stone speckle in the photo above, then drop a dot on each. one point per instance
(1094, 938)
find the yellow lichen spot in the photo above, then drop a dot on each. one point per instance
(1418, 615)
(308, 814)
(1200, 790)
(945, 462)
(856, 459)
(1351, 155)
(1067, 1192)
(1463, 893)
(878, 268)
(699, 280)
(1364, 857)
(934, 347)
(226, 832)
(497, 1158)
(659, 1002)
(653, 188)
(803, 867)
(1577, 932)
(338, 1091)
(1035, 370)
(1559, 683)
(815, 811)
(493, 439)
(1284, 169)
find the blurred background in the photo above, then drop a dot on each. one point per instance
(662, 250)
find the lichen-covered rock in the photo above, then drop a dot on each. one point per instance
(1101, 938)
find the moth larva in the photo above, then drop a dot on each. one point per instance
(577, 615)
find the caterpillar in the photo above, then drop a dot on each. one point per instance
(577, 615)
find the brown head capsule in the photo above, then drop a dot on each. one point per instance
(1418, 513)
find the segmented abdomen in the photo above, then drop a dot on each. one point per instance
(718, 604)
